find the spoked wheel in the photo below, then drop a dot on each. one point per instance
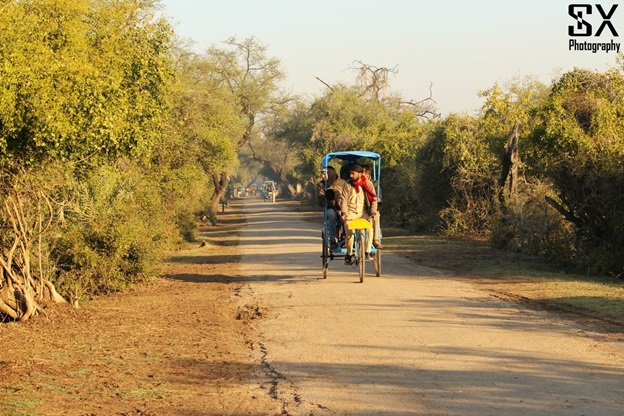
(377, 262)
(325, 255)
(361, 256)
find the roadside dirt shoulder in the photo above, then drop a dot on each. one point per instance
(174, 347)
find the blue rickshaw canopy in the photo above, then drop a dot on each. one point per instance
(349, 155)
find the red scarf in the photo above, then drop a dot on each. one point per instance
(363, 183)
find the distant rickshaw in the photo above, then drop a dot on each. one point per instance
(269, 191)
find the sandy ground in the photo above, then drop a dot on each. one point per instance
(411, 342)
(253, 329)
(175, 347)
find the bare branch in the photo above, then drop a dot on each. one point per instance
(373, 80)
(568, 215)
(425, 107)
(324, 83)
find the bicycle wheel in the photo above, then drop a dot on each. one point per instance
(325, 255)
(361, 247)
(377, 262)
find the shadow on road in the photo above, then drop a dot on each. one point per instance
(504, 393)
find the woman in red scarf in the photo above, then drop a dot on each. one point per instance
(359, 200)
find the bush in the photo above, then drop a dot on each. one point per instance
(529, 224)
(114, 233)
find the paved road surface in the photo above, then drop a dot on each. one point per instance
(412, 342)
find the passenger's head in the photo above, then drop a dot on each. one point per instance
(330, 195)
(355, 171)
(367, 171)
(344, 172)
(331, 174)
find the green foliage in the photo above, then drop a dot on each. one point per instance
(277, 149)
(469, 155)
(571, 151)
(344, 120)
(88, 118)
(580, 148)
(529, 224)
(514, 103)
(113, 232)
(205, 122)
(414, 186)
(131, 137)
(85, 82)
(471, 170)
(201, 134)
(244, 69)
(567, 202)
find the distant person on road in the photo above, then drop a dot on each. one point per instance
(359, 200)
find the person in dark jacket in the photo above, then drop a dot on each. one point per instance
(329, 190)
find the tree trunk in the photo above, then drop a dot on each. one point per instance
(21, 292)
(567, 213)
(510, 161)
(220, 181)
(284, 183)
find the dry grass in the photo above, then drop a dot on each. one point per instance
(515, 275)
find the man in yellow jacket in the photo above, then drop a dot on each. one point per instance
(359, 200)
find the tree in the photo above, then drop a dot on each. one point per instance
(480, 155)
(246, 71)
(278, 146)
(579, 149)
(373, 83)
(359, 117)
(86, 82)
(83, 85)
(203, 129)
(25, 216)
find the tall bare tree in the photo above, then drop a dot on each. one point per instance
(374, 83)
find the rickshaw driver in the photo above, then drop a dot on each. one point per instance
(359, 200)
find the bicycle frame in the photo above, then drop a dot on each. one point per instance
(361, 232)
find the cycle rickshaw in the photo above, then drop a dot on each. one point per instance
(362, 227)
(269, 191)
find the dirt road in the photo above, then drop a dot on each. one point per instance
(411, 342)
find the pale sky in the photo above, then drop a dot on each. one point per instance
(461, 47)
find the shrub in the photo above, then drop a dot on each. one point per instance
(113, 234)
(529, 224)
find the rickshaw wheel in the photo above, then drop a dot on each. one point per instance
(324, 255)
(361, 256)
(377, 262)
